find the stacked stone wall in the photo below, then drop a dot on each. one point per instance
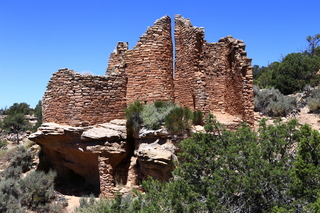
(188, 48)
(148, 65)
(211, 77)
(80, 100)
(239, 80)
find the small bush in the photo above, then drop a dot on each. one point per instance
(313, 101)
(197, 118)
(133, 116)
(121, 204)
(153, 115)
(178, 120)
(271, 102)
(38, 190)
(21, 157)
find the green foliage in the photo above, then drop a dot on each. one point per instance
(306, 172)
(178, 120)
(38, 114)
(33, 192)
(153, 115)
(16, 108)
(21, 157)
(314, 42)
(295, 71)
(37, 190)
(271, 102)
(197, 118)
(3, 143)
(133, 116)
(15, 123)
(264, 76)
(120, 204)
(313, 101)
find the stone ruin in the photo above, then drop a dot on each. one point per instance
(211, 77)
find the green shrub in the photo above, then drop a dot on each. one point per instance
(313, 101)
(133, 116)
(21, 157)
(35, 191)
(271, 102)
(38, 190)
(178, 120)
(153, 115)
(121, 204)
(314, 105)
(10, 193)
(197, 118)
(86, 201)
(3, 143)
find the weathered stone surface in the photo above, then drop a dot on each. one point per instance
(211, 77)
(156, 158)
(85, 151)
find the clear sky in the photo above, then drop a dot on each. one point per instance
(37, 37)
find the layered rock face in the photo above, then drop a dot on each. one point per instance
(93, 152)
(103, 156)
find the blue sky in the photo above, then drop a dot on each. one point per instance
(37, 37)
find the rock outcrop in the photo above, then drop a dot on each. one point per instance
(103, 156)
(92, 152)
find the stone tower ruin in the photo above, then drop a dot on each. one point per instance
(211, 77)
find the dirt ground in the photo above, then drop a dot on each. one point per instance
(304, 117)
(73, 202)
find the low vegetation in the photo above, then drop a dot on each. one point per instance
(176, 119)
(313, 101)
(239, 171)
(32, 191)
(272, 103)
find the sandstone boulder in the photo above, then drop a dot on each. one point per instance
(78, 151)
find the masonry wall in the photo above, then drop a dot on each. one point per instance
(188, 49)
(212, 77)
(80, 100)
(148, 65)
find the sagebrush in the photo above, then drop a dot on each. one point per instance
(272, 103)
